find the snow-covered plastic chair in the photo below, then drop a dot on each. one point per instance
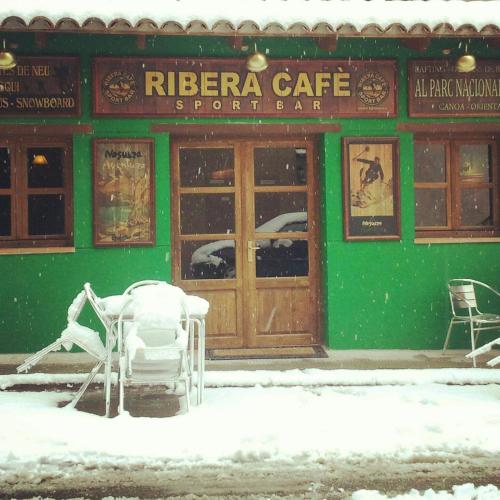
(197, 309)
(85, 338)
(465, 310)
(153, 346)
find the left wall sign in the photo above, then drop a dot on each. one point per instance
(41, 86)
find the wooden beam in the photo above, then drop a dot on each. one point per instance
(41, 39)
(46, 129)
(329, 44)
(242, 129)
(462, 127)
(140, 42)
(418, 44)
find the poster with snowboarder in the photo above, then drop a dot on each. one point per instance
(371, 188)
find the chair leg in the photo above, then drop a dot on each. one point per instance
(121, 376)
(473, 342)
(32, 360)
(448, 336)
(84, 386)
(188, 395)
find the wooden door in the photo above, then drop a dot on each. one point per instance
(245, 237)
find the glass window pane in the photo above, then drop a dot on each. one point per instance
(430, 163)
(280, 166)
(274, 210)
(475, 162)
(208, 260)
(4, 168)
(476, 207)
(430, 207)
(207, 213)
(206, 167)
(281, 258)
(45, 167)
(45, 214)
(5, 216)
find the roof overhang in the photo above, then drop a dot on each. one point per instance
(269, 18)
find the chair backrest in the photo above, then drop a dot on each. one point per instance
(96, 306)
(76, 307)
(462, 295)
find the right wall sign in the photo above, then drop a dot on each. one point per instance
(437, 89)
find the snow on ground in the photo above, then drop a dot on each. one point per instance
(240, 424)
(462, 492)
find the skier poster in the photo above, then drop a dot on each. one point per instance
(371, 188)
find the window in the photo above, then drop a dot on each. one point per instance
(456, 187)
(35, 192)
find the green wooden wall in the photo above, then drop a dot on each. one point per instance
(376, 295)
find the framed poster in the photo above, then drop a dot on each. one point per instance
(124, 212)
(371, 188)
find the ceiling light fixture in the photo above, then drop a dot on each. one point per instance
(39, 160)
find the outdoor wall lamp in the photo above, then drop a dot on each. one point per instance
(257, 62)
(7, 59)
(466, 63)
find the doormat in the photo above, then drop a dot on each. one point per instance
(314, 351)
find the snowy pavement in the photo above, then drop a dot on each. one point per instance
(314, 421)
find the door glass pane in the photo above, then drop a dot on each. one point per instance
(206, 167)
(430, 163)
(4, 168)
(208, 259)
(275, 210)
(475, 162)
(5, 216)
(280, 166)
(45, 167)
(430, 207)
(476, 207)
(281, 258)
(207, 213)
(45, 214)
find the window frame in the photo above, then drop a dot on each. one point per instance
(453, 186)
(19, 191)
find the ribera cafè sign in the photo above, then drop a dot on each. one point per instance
(224, 87)
(437, 89)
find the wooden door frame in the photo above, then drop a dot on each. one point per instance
(242, 147)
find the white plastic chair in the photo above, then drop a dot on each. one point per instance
(85, 338)
(153, 346)
(484, 349)
(197, 309)
(465, 310)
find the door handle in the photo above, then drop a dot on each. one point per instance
(250, 249)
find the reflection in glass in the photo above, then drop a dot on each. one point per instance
(207, 213)
(280, 166)
(269, 206)
(430, 163)
(45, 214)
(204, 167)
(476, 207)
(5, 216)
(430, 207)
(282, 258)
(4, 168)
(47, 170)
(475, 162)
(208, 260)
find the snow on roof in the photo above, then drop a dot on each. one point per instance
(265, 17)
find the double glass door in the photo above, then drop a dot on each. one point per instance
(245, 238)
